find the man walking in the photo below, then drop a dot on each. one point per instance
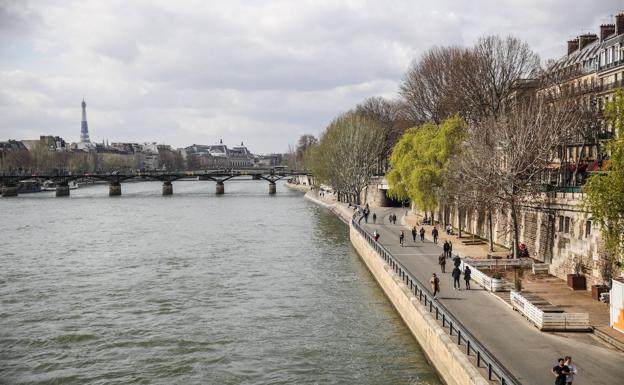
(401, 238)
(467, 273)
(374, 218)
(450, 249)
(434, 234)
(422, 234)
(435, 285)
(456, 273)
(442, 263)
(414, 233)
(445, 247)
(456, 261)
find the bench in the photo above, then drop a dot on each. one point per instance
(540, 268)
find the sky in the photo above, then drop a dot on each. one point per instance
(260, 72)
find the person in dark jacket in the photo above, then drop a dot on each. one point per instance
(467, 273)
(442, 263)
(422, 234)
(445, 247)
(434, 234)
(456, 261)
(456, 273)
(414, 233)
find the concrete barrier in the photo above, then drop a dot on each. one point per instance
(451, 363)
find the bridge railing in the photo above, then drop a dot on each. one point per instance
(473, 347)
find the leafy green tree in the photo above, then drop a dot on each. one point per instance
(420, 159)
(604, 193)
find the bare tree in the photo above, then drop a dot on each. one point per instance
(489, 73)
(347, 153)
(429, 89)
(522, 142)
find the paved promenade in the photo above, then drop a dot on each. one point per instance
(528, 353)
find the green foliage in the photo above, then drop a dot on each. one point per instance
(604, 193)
(420, 159)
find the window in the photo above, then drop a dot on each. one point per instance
(588, 227)
(564, 224)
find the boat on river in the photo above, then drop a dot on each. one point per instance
(50, 185)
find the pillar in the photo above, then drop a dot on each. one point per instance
(114, 189)
(167, 188)
(272, 188)
(9, 191)
(62, 190)
(220, 188)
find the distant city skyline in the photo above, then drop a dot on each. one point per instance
(264, 72)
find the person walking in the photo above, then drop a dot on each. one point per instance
(401, 238)
(376, 235)
(435, 285)
(442, 263)
(560, 372)
(414, 233)
(434, 234)
(450, 249)
(456, 261)
(394, 218)
(374, 218)
(456, 273)
(467, 273)
(572, 368)
(422, 234)
(445, 247)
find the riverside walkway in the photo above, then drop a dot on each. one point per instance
(525, 351)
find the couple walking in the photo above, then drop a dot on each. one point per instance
(456, 273)
(564, 372)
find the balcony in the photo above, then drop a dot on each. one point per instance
(611, 65)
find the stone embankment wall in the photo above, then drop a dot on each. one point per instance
(451, 363)
(556, 231)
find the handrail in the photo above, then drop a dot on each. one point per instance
(495, 369)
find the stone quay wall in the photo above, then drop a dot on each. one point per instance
(555, 229)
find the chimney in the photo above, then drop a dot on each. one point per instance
(587, 39)
(606, 30)
(573, 45)
(619, 23)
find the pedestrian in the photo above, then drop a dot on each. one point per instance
(435, 285)
(366, 212)
(434, 234)
(376, 235)
(560, 372)
(442, 263)
(467, 273)
(448, 229)
(571, 368)
(422, 234)
(414, 233)
(401, 238)
(456, 261)
(445, 247)
(374, 218)
(450, 248)
(394, 218)
(456, 273)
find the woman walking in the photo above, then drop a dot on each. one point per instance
(435, 285)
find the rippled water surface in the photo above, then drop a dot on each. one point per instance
(193, 288)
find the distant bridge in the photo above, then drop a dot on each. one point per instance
(10, 183)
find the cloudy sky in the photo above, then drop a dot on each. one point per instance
(263, 72)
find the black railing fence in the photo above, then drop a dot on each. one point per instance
(459, 333)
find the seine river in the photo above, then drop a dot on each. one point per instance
(194, 288)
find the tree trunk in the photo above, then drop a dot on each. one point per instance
(578, 161)
(514, 223)
(490, 231)
(459, 223)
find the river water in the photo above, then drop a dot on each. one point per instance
(194, 288)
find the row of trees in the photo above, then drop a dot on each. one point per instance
(480, 138)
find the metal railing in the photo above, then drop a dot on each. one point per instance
(484, 359)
